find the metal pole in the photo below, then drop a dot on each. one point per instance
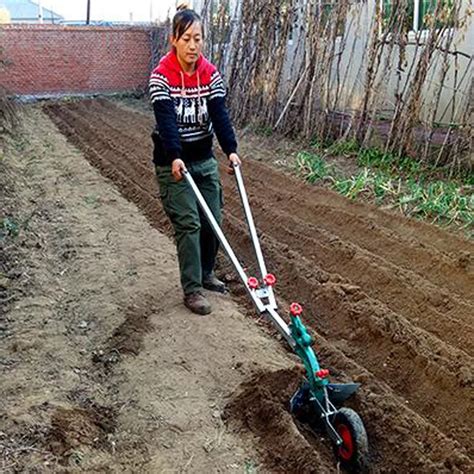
(280, 325)
(416, 17)
(253, 230)
(222, 239)
(268, 309)
(40, 11)
(88, 19)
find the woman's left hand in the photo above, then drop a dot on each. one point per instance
(234, 160)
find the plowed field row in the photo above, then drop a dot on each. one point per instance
(390, 299)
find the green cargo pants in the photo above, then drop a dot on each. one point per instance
(196, 243)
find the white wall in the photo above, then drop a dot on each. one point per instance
(463, 42)
(354, 60)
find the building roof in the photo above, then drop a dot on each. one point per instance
(26, 10)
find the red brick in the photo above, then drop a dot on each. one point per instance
(64, 59)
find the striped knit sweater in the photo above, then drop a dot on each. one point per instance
(188, 111)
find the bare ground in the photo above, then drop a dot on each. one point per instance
(103, 369)
(389, 299)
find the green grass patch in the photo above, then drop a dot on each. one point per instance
(417, 190)
(313, 166)
(344, 147)
(264, 130)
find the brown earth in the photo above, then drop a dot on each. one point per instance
(389, 297)
(102, 369)
(390, 301)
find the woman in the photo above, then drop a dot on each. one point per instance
(188, 97)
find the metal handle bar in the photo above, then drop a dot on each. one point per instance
(253, 232)
(269, 309)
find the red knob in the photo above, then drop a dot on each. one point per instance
(270, 279)
(252, 282)
(296, 309)
(322, 373)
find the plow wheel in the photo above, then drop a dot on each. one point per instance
(353, 453)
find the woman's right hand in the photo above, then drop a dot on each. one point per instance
(177, 167)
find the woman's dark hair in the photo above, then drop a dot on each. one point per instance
(183, 19)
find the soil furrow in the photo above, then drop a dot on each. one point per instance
(385, 294)
(401, 290)
(371, 230)
(291, 192)
(380, 340)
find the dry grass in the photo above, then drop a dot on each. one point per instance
(9, 113)
(307, 90)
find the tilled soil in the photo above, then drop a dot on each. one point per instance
(102, 368)
(390, 300)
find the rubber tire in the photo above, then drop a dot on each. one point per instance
(359, 460)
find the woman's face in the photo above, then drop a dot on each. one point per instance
(189, 46)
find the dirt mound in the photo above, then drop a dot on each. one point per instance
(262, 408)
(72, 428)
(390, 299)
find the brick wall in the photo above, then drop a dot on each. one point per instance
(48, 59)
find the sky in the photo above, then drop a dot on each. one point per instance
(111, 10)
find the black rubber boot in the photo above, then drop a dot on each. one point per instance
(212, 283)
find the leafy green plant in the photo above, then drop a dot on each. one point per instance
(403, 184)
(316, 144)
(439, 201)
(385, 187)
(417, 189)
(249, 467)
(92, 200)
(21, 143)
(375, 158)
(355, 185)
(344, 147)
(312, 166)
